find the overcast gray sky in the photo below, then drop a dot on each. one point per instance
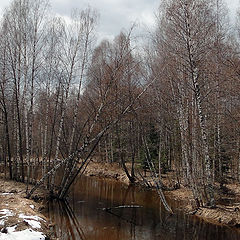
(115, 14)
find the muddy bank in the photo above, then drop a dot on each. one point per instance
(223, 214)
(20, 216)
(228, 207)
(106, 170)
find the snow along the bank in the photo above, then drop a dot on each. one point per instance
(27, 234)
(10, 233)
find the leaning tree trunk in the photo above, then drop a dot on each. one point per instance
(78, 154)
(156, 180)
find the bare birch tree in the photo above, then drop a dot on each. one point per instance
(186, 30)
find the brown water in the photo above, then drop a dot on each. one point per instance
(84, 216)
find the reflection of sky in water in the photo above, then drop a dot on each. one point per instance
(84, 217)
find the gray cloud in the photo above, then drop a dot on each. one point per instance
(115, 14)
(3, 5)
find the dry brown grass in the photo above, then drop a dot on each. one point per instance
(12, 198)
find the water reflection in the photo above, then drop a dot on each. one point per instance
(92, 213)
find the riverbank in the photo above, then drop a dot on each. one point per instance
(226, 213)
(21, 218)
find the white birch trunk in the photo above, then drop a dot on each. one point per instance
(207, 162)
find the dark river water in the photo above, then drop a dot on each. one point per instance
(94, 212)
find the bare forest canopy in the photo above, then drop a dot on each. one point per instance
(172, 105)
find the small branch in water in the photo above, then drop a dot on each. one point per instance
(132, 221)
(124, 206)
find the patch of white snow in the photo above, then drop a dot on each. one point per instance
(6, 193)
(36, 218)
(33, 223)
(6, 212)
(31, 206)
(27, 234)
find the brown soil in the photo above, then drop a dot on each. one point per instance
(106, 170)
(12, 198)
(224, 214)
(227, 211)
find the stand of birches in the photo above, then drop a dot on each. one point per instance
(172, 104)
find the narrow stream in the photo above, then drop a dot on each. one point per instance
(85, 216)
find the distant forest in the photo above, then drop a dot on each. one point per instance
(173, 103)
